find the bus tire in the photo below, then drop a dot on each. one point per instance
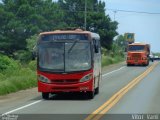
(90, 94)
(128, 64)
(148, 63)
(45, 96)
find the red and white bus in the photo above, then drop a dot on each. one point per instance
(69, 61)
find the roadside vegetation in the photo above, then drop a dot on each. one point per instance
(117, 52)
(15, 76)
(108, 60)
(110, 57)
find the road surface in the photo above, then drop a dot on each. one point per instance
(125, 93)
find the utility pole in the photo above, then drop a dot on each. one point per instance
(85, 15)
(114, 14)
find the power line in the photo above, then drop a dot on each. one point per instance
(130, 11)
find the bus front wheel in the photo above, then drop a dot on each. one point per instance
(97, 89)
(45, 96)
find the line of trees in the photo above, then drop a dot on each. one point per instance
(22, 19)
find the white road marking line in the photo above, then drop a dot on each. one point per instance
(21, 107)
(9, 112)
(113, 71)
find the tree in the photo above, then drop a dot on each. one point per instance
(120, 41)
(97, 21)
(21, 19)
(24, 18)
(119, 45)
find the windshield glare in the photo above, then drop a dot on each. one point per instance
(136, 48)
(51, 56)
(65, 57)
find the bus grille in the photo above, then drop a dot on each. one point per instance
(65, 81)
(136, 56)
(64, 88)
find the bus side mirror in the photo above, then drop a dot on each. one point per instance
(96, 49)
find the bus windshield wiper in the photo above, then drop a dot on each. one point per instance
(70, 49)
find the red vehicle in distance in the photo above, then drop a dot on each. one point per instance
(138, 54)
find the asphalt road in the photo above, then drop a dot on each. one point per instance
(141, 98)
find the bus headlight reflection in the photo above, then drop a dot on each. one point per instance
(43, 79)
(86, 77)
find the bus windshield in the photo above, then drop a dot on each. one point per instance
(64, 56)
(136, 48)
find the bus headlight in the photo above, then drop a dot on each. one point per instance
(86, 77)
(43, 79)
(144, 58)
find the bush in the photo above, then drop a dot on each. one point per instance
(32, 65)
(107, 60)
(104, 51)
(20, 79)
(7, 63)
(14, 76)
(23, 56)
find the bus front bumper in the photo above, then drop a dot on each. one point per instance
(137, 62)
(55, 88)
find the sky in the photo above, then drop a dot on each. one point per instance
(145, 26)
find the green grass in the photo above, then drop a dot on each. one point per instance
(13, 80)
(108, 60)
